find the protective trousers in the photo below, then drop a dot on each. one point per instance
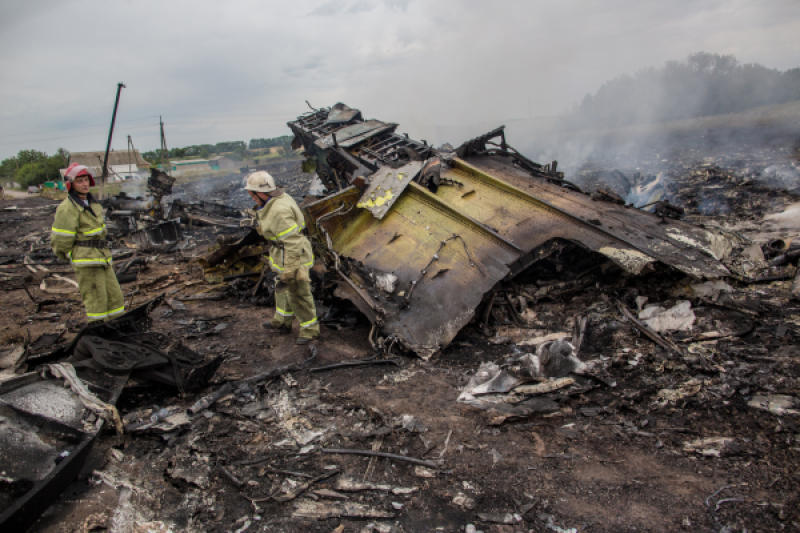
(100, 291)
(293, 297)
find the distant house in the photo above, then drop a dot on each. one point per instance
(184, 167)
(121, 165)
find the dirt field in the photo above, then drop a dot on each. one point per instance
(649, 441)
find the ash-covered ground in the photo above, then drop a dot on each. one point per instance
(700, 437)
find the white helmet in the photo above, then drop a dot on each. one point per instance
(260, 181)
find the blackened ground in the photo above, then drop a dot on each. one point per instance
(615, 456)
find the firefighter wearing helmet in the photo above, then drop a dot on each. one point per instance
(281, 222)
(79, 236)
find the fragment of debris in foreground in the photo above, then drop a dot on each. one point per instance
(51, 419)
(419, 236)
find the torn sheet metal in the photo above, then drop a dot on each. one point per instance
(47, 433)
(157, 236)
(488, 215)
(386, 186)
(47, 429)
(352, 135)
(443, 263)
(530, 212)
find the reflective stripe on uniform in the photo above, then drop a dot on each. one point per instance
(274, 264)
(308, 323)
(91, 262)
(284, 233)
(64, 231)
(283, 312)
(95, 231)
(100, 316)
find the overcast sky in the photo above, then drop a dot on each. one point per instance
(445, 70)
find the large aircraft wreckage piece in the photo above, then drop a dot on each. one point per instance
(420, 235)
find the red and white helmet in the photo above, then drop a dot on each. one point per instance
(75, 170)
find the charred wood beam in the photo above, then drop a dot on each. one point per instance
(350, 364)
(210, 399)
(297, 491)
(578, 333)
(371, 453)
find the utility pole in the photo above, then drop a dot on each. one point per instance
(164, 151)
(120, 85)
(131, 153)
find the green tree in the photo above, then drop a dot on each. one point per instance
(36, 167)
(30, 156)
(8, 168)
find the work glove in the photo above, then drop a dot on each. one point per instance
(249, 220)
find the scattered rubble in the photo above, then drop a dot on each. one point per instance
(556, 406)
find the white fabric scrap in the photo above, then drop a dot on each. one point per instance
(679, 317)
(102, 409)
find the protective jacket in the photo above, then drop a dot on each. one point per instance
(78, 230)
(78, 234)
(281, 222)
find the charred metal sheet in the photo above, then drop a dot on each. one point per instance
(351, 135)
(342, 151)
(156, 236)
(47, 431)
(178, 367)
(204, 213)
(342, 114)
(159, 184)
(418, 257)
(386, 186)
(46, 437)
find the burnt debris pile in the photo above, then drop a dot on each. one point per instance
(505, 347)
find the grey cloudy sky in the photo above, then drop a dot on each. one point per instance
(445, 70)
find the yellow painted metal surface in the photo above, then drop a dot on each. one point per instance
(447, 250)
(529, 212)
(443, 262)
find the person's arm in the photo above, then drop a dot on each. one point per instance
(64, 231)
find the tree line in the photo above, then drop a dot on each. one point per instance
(236, 149)
(702, 85)
(32, 167)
